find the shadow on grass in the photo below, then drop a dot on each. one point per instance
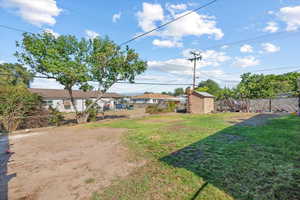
(247, 162)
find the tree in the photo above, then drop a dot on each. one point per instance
(209, 86)
(15, 104)
(254, 86)
(168, 93)
(73, 62)
(178, 91)
(14, 74)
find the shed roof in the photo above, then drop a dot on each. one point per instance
(204, 94)
(63, 94)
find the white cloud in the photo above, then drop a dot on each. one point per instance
(116, 17)
(45, 84)
(2, 61)
(246, 48)
(192, 25)
(184, 66)
(48, 30)
(151, 76)
(195, 25)
(166, 43)
(219, 76)
(209, 57)
(271, 27)
(178, 6)
(291, 16)
(91, 34)
(150, 14)
(247, 61)
(175, 8)
(225, 47)
(36, 12)
(176, 66)
(270, 48)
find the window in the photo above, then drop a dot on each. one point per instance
(67, 104)
(48, 103)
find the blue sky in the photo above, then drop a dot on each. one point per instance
(167, 50)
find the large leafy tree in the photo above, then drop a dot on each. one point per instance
(79, 63)
(14, 74)
(209, 86)
(178, 91)
(254, 86)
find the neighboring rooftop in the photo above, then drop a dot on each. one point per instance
(63, 94)
(153, 96)
(204, 94)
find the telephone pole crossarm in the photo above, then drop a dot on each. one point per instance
(196, 57)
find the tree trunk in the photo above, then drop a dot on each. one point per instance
(82, 118)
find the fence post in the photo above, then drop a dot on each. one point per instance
(270, 105)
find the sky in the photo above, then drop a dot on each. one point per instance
(212, 31)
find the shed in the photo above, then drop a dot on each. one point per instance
(200, 103)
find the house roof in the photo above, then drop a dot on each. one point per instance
(63, 94)
(153, 96)
(204, 94)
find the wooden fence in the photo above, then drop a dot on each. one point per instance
(288, 105)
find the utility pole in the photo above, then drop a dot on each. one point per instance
(196, 56)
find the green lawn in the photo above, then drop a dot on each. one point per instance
(207, 157)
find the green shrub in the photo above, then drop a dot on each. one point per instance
(56, 118)
(161, 108)
(171, 106)
(93, 111)
(16, 102)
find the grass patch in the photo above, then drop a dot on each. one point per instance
(89, 180)
(206, 157)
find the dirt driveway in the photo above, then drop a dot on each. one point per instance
(66, 163)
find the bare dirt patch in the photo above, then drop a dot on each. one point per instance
(67, 163)
(251, 119)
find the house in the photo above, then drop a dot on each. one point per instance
(200, 102)
(60, 99)
(152, 98)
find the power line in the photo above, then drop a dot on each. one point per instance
(155, 83)
(251, 40)
(165, 24)
(233, 81)
(265, 70)
(14, 29)
(119, 82)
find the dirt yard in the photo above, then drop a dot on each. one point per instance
(136, 113)
(66, 163)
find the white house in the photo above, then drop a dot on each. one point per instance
(60, 99)
(152, 98)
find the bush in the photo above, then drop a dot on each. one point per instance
(38, 117)
(171, 106)
(16, 102)
(56, 118)
(161, 108)
(93, 111)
